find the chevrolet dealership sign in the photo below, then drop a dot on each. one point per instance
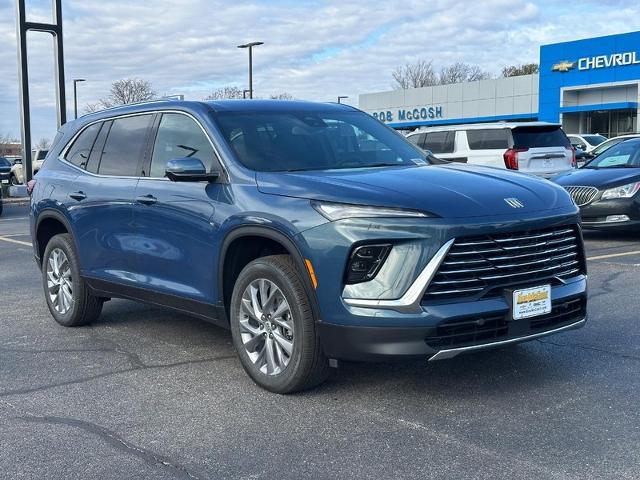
(599, 61)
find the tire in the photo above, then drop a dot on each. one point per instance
(307, 365)
(77, 307)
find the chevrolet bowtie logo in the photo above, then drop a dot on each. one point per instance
(563, 66)
(514, 202)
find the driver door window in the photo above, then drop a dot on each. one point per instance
(179, 136)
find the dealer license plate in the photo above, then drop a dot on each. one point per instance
(531, 302)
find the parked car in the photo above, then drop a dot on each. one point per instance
(606, 189)
(604, 146)
(17, 172)
(5, 170)
(312, 231)
(586, 141)
(531, 147)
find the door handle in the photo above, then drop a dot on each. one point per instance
(78, 195)
(146, 199)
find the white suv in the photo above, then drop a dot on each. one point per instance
(532, 147)
(17, 172)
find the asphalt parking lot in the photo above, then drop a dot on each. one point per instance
(146, 393)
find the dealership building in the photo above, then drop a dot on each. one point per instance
(589, 86)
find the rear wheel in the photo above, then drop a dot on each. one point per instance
(67, 294)
(273, 327)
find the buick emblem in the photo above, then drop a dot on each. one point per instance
(514, 202)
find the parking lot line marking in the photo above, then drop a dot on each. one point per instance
(613, 255)
(11, 240)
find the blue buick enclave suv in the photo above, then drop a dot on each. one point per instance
(312, 231)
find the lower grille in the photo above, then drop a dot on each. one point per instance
(478, 330)
(582, 195)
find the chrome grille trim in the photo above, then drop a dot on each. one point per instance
(582, 195)
(485, 263)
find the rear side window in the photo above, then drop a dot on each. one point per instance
(488, 139)
(79, 152)
(125, 146)
(440, 142)
(537, 137)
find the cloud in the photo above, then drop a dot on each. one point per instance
(315, 50)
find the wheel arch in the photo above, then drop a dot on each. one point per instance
(272, 235)
(50, 222)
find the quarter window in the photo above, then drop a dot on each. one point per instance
(488, 139)
(440, 142)
(179, 136)
(125, 146)
(79, 152)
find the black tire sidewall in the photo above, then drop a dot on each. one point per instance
(72, 317)
(302, 319)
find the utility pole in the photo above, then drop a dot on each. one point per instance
(75, 95)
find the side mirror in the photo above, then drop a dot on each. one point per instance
(189, 169)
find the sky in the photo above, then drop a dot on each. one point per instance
(314, 50)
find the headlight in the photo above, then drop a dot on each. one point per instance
(625, 191)
(339, 211)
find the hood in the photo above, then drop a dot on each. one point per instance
(449, 191)
(601, 177)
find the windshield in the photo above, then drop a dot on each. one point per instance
(623, 155)
(539, 136)
(304, 140)
(594, 140)
(4, 162)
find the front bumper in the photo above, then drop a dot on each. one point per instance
(452, 329)
(594, 215)
(394, 322)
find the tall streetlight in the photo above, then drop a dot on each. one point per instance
(75, 95)
(250, 47)
(340, 97)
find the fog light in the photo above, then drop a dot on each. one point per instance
(617, 218)
(365, 262)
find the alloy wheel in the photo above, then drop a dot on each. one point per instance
(266, 326)
(59, 281)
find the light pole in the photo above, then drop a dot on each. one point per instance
(75, 95)
(250, 47)
(340, 97)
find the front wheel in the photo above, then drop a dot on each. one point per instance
(67, 294)
(273, 327)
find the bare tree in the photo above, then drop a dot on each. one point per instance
(7, 142)
(93, 107)
(230, 91)
(415, 75)
(281, 96)
(128, 90)
(43, 144)
(517, 70)
(461, 72)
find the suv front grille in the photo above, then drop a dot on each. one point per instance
(484, 265)
(478, 330)
(582, 195)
